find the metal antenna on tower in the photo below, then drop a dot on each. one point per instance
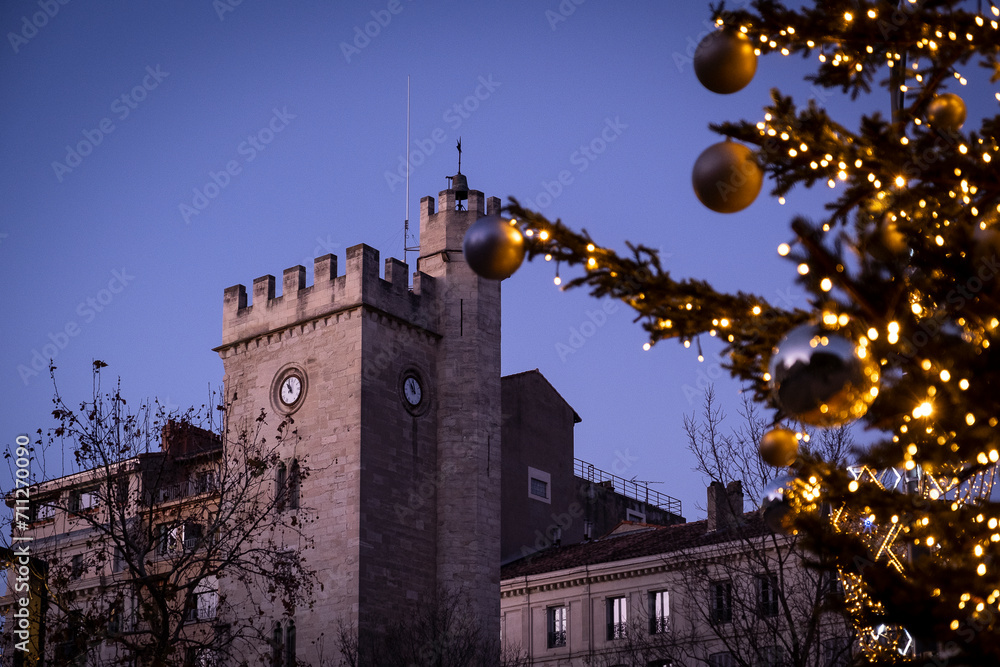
(406, 221)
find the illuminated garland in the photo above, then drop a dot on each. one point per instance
(907, 267)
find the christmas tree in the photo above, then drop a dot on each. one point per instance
(905, 305)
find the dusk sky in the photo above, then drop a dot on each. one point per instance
(156, 153)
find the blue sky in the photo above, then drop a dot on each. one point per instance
(159, 152)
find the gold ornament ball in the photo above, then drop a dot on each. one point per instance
(779, 447)
(725, 61)
(819, 377)
(946, 112)
(493, 247)
(885, 242)
(726, 177)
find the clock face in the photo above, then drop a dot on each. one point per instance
(291, 389)
(412, 391)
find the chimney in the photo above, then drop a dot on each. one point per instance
(725, 505)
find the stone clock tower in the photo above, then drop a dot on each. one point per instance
(395, 395)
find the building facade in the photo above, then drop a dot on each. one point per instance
(549, 496)
(98, 537)
(722, 592)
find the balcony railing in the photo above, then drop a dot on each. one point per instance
(626, 487)
(193, 487)
(557, 638)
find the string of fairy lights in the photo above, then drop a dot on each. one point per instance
(904, 314)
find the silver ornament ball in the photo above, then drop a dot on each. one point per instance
(726, 177)
(493, 247)
(725, 61)
(820, 378)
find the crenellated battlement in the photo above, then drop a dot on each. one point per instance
(298, 304)
(442, 231)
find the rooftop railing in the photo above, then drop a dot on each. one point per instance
(627, 487)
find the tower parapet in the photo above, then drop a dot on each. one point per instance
(329, 294)
(437, 235)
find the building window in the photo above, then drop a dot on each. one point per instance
(659, 612)
(294, 482)
(76, 567)
(42, 510)
(115, 617)
(556, 623)
(290, 644)
(283, 645)
(721, 660)
(617, 617)
(771, 656)
(286, 482)
(539, 485)
(193, 533)
(118, 561)
(170, 538)
(200, 657)
(634, 515)
(767, 595)
(203, 482)
(837, 652)
(721, 602)
(280, 482)
(277, 646)
(205, 601)
(81, 500)
(833, 586)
